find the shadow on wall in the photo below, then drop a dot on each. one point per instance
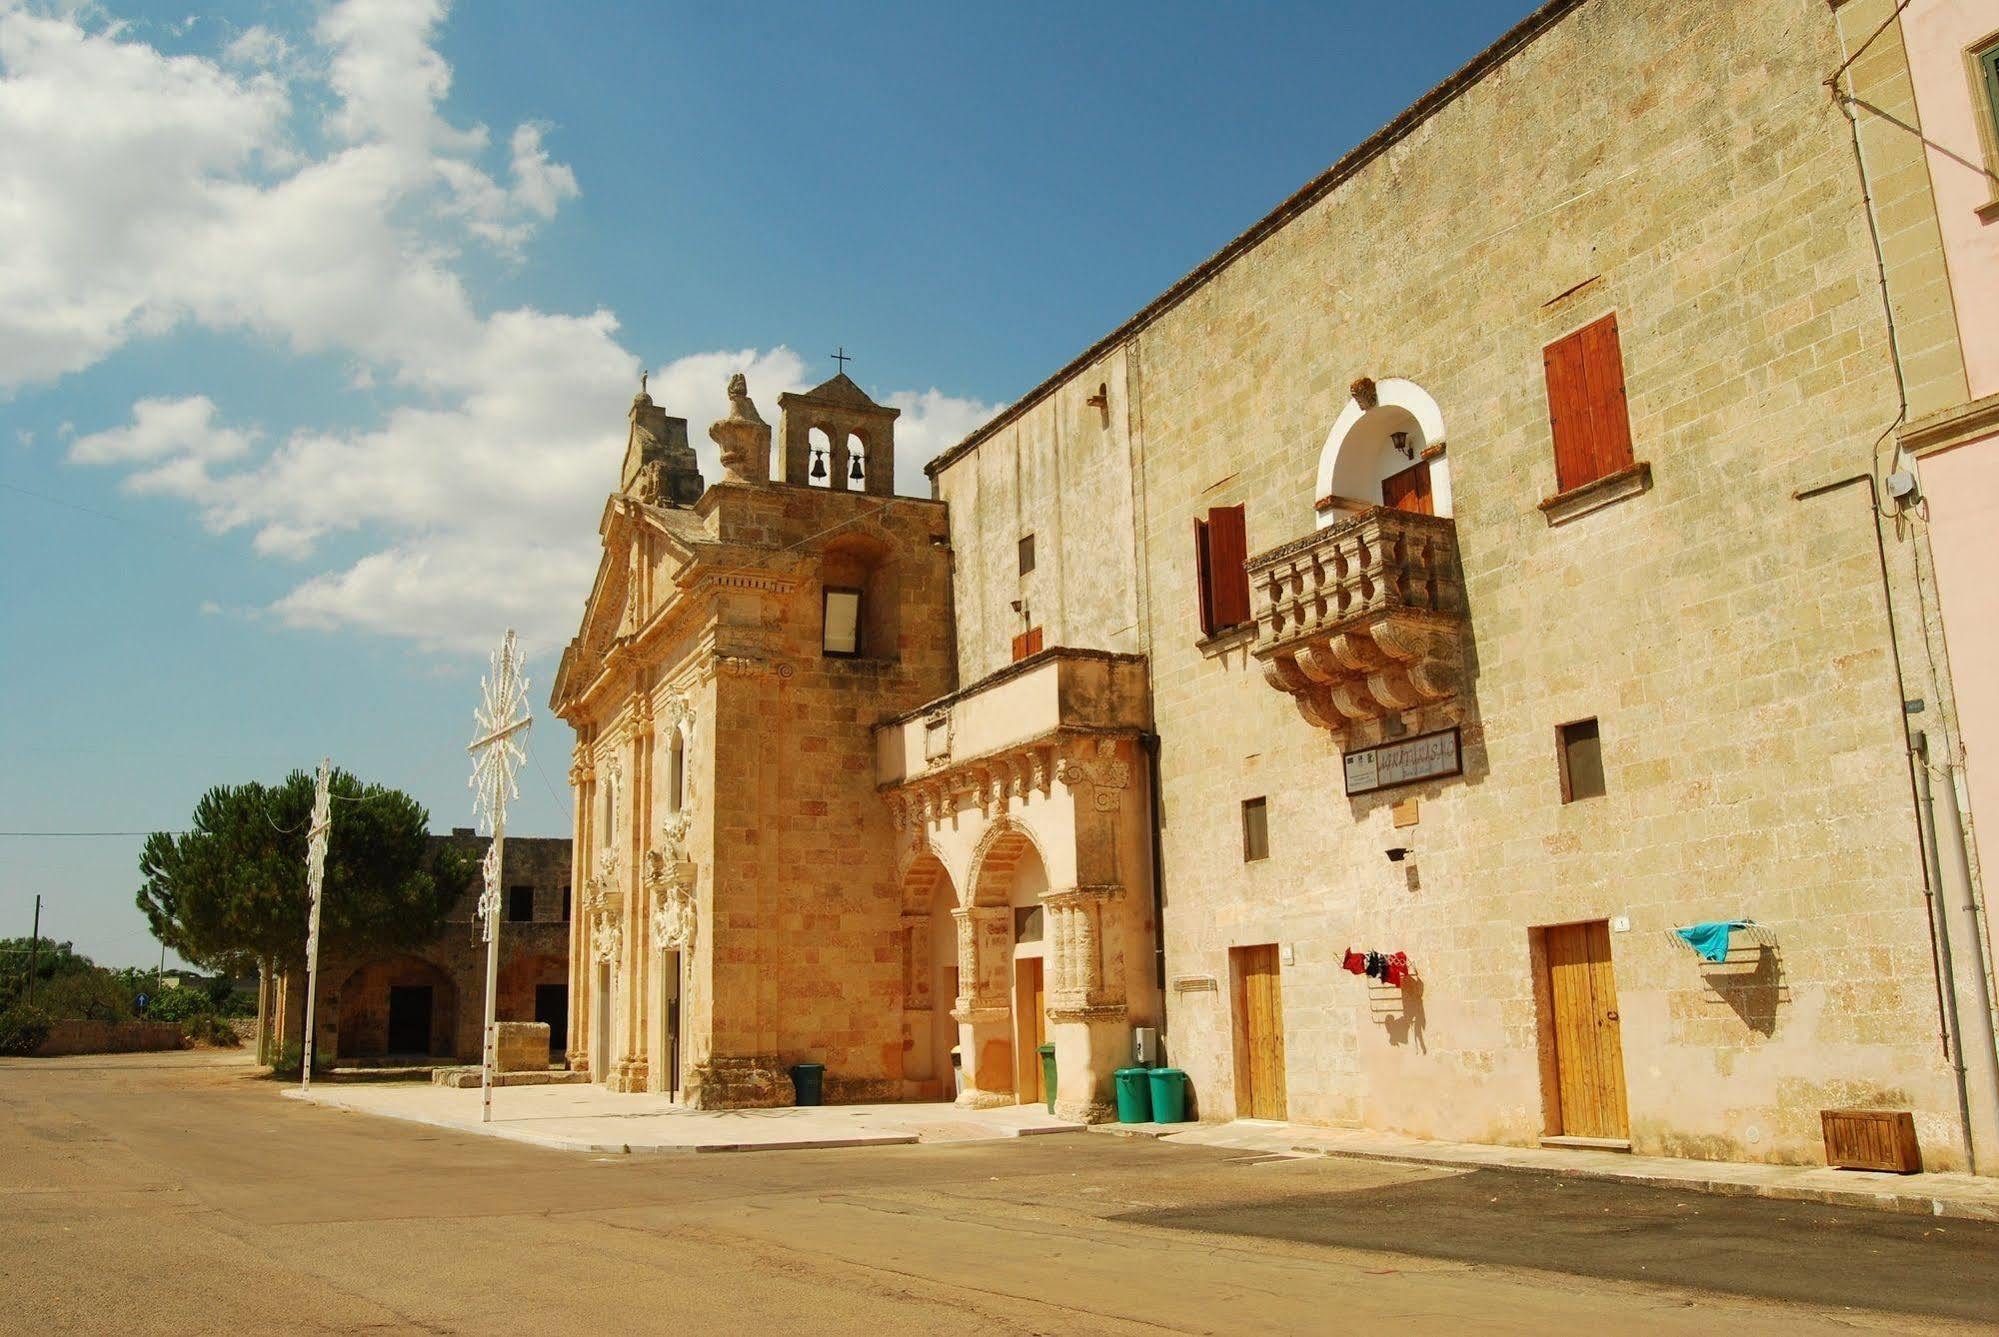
(1400, 1012)
(1752, 986)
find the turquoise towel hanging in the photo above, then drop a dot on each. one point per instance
(1710, 940)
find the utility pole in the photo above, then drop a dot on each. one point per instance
(160, 975)
(502, 719)
(34, 948)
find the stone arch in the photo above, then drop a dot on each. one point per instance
(1359, 452)
(854, 450)
(820, 457)
(921, 874)
(995, 860)
(363, 1004)
(865, 560)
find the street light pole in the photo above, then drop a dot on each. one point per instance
(34, 948)
(502, 719)
(315, 877)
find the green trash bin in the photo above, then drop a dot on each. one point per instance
(807, 1079)
(1047, 1053)
(1169, 1095)
(1134, 1095)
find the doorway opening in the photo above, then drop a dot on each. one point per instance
(1030, 1021)
(1259, 1032)
(1581, 1034)
(409, 1018)
(667, 1060)
(551, 1006)
(600, 1029)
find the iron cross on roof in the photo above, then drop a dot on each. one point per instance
(841, 357)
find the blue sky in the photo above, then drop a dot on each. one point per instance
(318, 324)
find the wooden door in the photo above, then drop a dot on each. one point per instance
(1589, 1045)
(1030, 1022)
(1259, 1009)
(1409, 490)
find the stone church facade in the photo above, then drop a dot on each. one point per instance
(1357, 666)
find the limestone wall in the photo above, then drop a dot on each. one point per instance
(1063, 473)
(1678, 163)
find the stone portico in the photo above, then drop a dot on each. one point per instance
(1023, 816)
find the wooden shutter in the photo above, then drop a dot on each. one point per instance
(1228, 551)
(1033, 642)
(1586, 404)
(1603, 369)
(1409, 490)
(1204, 582)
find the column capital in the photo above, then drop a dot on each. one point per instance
(1083, 894)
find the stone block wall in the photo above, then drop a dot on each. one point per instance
(1732, 641)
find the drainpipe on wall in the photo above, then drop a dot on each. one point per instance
(1150, 742)
(1976, 1060)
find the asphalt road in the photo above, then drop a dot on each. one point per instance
(179, 1193)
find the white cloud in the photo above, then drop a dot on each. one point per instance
(140, 191)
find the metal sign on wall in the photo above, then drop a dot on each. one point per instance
(1405, 761)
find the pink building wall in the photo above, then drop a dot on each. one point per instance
(1938, 33)
(1962, 482)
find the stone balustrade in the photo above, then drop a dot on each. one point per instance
(1363, 623)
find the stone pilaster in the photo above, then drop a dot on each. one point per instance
(984, 1011)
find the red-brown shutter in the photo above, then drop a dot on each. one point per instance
(1228, 551)
(1586, 404)
(1033, 641)
(1603, 368)
(1203, 578)
(1569, 413)
(1020, 647)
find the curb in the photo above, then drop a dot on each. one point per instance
(1908, 1204)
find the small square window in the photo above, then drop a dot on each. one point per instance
(1988, 78)
(1255, 829)
(843, 622)
(520, 905)
(1027, 923)
(1581, 749)
(1027, 554)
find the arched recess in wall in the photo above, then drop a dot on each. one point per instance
(856, 475)
(862, 561)
(1364, 449)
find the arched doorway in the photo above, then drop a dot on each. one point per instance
(1385, 449)
(1009, 881)
(404, 1005)
(929, 979)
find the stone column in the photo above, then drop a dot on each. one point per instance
(1089, 1025)
(984, 1012)
(631, 1072)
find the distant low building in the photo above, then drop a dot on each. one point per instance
(429, 1003)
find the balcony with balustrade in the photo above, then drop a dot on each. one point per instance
(1363, 624)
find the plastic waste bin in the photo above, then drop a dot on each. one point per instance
(807, 1079)
(1134, 1095)
(1047, 1053)
(1169, 1095)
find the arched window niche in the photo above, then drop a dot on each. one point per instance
(676, 770)
(1385, 449)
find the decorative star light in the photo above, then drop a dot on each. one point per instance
(502, 718)
(315, 881)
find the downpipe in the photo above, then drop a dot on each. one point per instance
(1977, 1058)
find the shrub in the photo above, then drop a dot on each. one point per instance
(208, 1029)
(23, 1027)
(180, 1005)
(285, 1063)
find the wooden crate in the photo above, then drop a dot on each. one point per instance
(1871, 1140)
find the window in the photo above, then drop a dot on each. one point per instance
(1027, 923)
(843, 622)
(520, 905)
(1221, 584)
(1255, 829)
(1582, 760)
(1586, 405)
(1988, 79)
(565, 905)
(1027, 554)
(1027, 643)
(676, 771)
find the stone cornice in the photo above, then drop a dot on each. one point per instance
(1952, 427)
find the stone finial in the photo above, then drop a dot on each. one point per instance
(743, 436)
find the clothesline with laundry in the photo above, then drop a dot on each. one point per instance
(1711, 939)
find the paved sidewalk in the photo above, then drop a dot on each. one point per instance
(1959, 1196)
(589, 1118)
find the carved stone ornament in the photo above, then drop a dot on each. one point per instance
(606, 937)
(1364, 392)
(670, 886)
(744, 437)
